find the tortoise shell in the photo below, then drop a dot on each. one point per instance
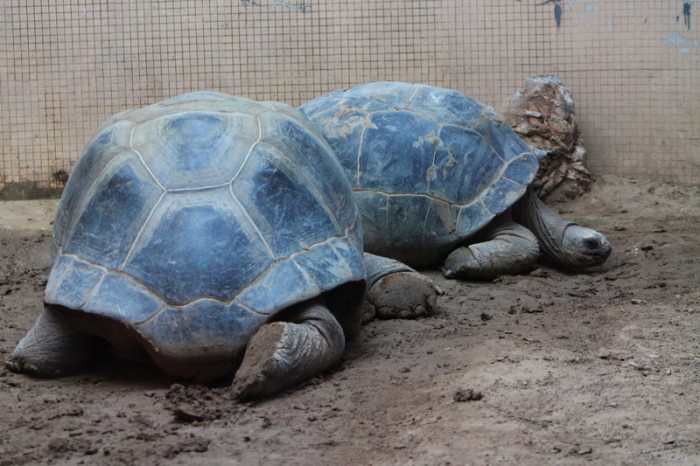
(429, 166)
(195, 220)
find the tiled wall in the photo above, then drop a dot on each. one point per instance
(634, 65)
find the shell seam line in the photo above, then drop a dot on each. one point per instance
(234, 298)
(414, 94)
(358, 176)
(140, 233)
(293, 256)
(138, 154)
(438, 198)
(435, 150)
(153, 209)
(309, 184)
(250, 151)
(401, 194)
(259, 234)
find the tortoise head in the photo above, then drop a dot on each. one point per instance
(583, 247)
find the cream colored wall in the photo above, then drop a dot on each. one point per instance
(634, 68)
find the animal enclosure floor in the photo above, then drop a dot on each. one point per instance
(545, 368)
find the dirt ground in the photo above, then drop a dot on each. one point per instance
(547, 368)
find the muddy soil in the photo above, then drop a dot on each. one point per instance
(545, 368)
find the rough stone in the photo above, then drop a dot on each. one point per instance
(543, 114)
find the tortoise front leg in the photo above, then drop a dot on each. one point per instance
(510, 249)
(284, 353)
(54, 348)
(395, 290)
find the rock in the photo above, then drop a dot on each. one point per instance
(467, 394)
(543, 115)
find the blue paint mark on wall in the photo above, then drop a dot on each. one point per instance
(557, 14)
(686, 14)
(681, 43)
(557, 10)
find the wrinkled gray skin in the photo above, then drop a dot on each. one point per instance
(514, 241)
(442, 181)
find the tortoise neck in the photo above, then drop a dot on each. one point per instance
(547, 226)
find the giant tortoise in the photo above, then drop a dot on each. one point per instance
(194, 231)
(443, 180)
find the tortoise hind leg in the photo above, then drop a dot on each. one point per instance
(283, 353)
(509, 249)
(395, 290)
(53, 348)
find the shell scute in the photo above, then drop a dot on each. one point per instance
(108, 143)
(465, 166)
(205, 329)
(299, 146)
(110, 220)
(72, 281)
(124, 299)
(502, 194)
(409, 153)
(288, 214)
(520, 170)
(500, 137)
(188, 247)
(195, 149)
(282, 279)
(374, 215)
